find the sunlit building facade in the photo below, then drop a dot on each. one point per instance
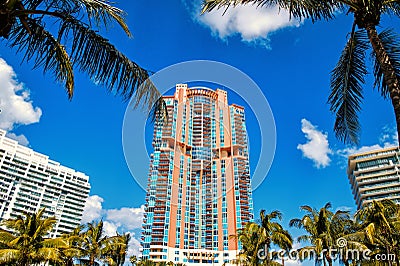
(30, 181)
(199, 192)
(375, 175)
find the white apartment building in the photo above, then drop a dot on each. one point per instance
(375, 175)
(30, 181)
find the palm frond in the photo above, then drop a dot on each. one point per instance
(6, 237)
(106, 66)
(97, 12)
(346, 87)
(307, 208)
(47, 254)
(275, 215)
(283, 239)
(391, 42)
(298, 9)
(328, 205)
(41, 47)
(370, 232)
(9, 256)
(54, 243)
(102, 12)
(391, 7)
(87, 49)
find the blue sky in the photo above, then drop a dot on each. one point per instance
(290, 61)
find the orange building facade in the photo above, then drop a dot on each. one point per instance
(199, 190)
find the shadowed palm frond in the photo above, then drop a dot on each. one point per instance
(295, 223)
(392, 7)
(346, 87)
(275, 215)
(298, 9)
(303, 238)
(41, 47)
(104, 64)
(391, 43)
(98, 12)
(77, 44)
(102, 12)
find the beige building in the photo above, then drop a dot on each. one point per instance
(199, 190)
(374, 175)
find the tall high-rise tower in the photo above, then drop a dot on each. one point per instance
(199, 192)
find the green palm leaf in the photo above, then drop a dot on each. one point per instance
(9, 255)
(346, 87)
(299, 9)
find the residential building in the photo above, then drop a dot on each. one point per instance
(374, 175)
(199, 192)
(30, 181)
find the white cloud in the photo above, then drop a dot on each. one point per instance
(129, 218)
(110, 229)
(15, 104)
(134, 246)
(388, 138)
(93, 209)
(124, 220)
(20, 138)
(317, 147)
(353, 150)
(251, 23)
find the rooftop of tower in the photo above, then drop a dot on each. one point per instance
(202, 90)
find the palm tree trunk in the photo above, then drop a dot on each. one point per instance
(389, 73)
(91, 260)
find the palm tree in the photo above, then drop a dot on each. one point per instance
(26, 242)
(323, 228)
(380, 223)
(73, 42)
(96, 245)
(118, 248)
(133, 259)
(146, 263)
(274, 233)
(260, 237)
(74, 246)
(252, 241)
(348, 75)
